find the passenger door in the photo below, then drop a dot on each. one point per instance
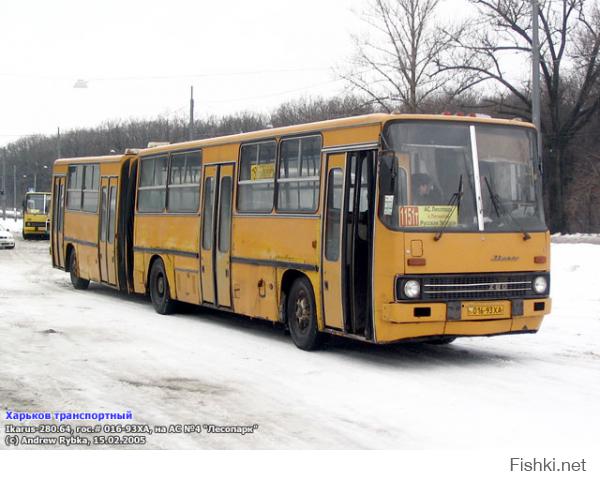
(348, 242)
(58, 215)
(332, 242)
(209, 191)
(106, 230)
(102, 230)
(216, 235)
(111, 227)
(223, 236)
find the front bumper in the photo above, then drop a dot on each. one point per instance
(402, 321)
(35, 230)
(6, 243)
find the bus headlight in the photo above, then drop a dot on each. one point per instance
(412, 288)
(540, 285)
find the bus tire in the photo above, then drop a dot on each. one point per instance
(159, 289)
(302, 316)
(25, 236)
(78, 282)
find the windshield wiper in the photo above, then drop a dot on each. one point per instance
(502, 212)
(454, 202)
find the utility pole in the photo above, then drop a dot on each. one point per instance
(191, 129)
(58, 142)
(35, 182)
(4, 186)
(15, 191)
(535, 77)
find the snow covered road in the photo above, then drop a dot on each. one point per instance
(97, 350)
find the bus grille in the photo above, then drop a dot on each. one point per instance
(479, 286)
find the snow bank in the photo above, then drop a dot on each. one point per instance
(577, 238)
(98, 350)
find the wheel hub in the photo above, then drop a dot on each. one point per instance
(160, 285)
(302, 311)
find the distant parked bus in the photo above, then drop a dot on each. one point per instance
(380, 228)
(36, 212)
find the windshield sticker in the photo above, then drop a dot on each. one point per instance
(388, 205)
(262, 171)
(428, 216)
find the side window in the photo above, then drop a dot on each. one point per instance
(111, 214)
(334, 214)
(75, 182)
(225, 215)
(393, 188)
(61, 210)
(207, 214)
(298, 178)
(91, 184)
(103, 216)
(184, 182)
(257, 177)
(153, 184)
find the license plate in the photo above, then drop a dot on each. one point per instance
(489, 310)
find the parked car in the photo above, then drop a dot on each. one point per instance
(6, 238)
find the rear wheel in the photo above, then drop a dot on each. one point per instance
(159, 289)
(78, 282)
(302, 316)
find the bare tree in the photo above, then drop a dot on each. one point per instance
(396, 66)
(499, 42)
(313, 109)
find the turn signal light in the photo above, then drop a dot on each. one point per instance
(540, 259)
(416, 262)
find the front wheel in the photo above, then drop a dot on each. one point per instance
(78, 282)
(159, 289)
(302, 316)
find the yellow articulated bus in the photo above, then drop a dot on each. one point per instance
(36, 214)
(380, 228)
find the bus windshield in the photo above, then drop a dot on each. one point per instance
(431, 178)
(37, 203)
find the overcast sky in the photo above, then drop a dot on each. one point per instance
(139, 58)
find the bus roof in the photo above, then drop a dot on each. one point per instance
(96, 159)
(360, 120)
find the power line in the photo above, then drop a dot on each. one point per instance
(37, 76)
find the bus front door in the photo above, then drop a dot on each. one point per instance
(215, 246)
(348, 242)
(332, 235)
(58, 215)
